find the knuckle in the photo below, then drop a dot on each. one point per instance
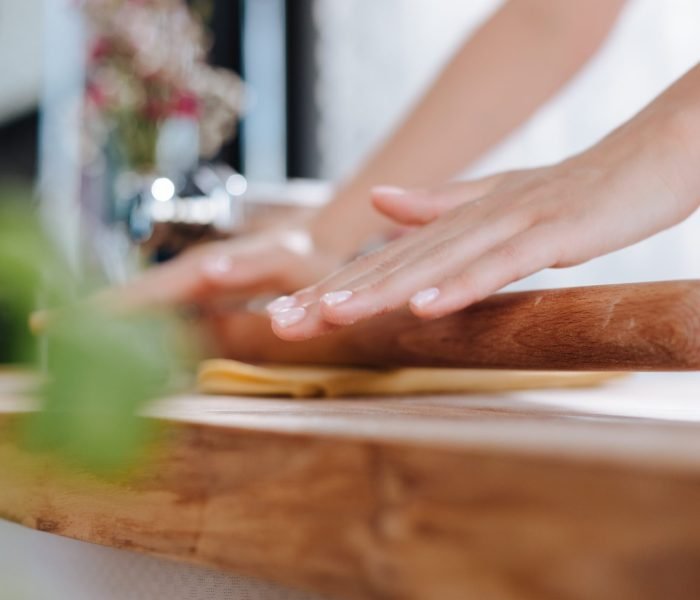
(520, 219)
(510, 253)
(514, 260)
(560, 253)
(562, 244)
(524, 219)
(543, 212)
(564, 258)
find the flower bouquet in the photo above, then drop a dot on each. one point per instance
(147, 68)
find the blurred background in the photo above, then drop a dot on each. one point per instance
(321, 82)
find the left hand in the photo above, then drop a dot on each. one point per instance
(477, 237)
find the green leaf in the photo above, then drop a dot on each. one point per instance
(100, 370)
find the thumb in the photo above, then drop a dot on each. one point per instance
(418, 207)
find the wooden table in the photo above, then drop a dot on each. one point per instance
(557, 494)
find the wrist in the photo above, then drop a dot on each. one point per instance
(680, 132)
(346, 225)
(661, 146)
(328, 239)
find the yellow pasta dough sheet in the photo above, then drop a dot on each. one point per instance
(240, 379)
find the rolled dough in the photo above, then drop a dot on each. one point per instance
(236, 378)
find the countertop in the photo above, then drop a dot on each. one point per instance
(564, 494)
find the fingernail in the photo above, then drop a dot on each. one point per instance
(335, 298)
(288, 317)
(388, 190)
(281, 303)
(216, 266)
(425, 297)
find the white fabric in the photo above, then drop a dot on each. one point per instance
(375, 57)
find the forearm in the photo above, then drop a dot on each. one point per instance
(679, 107)
(683, 100)
(662, 142)
(499, 77)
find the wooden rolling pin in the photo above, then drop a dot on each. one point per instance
(640, 327)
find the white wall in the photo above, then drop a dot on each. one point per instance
(21, 37)
(375, 56)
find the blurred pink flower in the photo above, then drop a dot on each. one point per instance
(147, 61)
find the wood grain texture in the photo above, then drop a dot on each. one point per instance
(640, 327)
(459, 497)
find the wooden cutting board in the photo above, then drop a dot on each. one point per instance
(511, 496)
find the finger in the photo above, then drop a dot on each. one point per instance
(233, 272)
(417, 207)
(193, 277)
(182, 281)
(382, 262)
(172, 283)
(300, 323)
(379, 259)
(373, 295)
(511, 261)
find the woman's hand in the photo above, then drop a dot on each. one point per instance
(277, 260)
(477, 237)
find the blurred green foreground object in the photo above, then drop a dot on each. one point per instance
(99, 369)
